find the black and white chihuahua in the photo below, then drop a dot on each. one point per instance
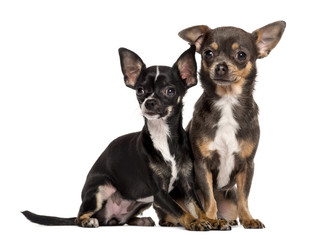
(142, 168)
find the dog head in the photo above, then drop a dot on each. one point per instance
(229, 54)
(159, 89)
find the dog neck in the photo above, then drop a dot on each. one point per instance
(169, 127)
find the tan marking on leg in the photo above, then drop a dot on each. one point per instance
(186, 219)
(86, 216)
(210, 204)
(245, 216)
(246, 148)
(242, 203)
(194, 224)
(86, 221)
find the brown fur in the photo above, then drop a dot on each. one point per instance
(228, 71)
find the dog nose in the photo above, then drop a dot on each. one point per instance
(221, 69)
(150, 104)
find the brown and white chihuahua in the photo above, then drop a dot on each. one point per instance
(224, 131)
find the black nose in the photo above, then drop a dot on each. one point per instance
(221, 69)
(150, 104)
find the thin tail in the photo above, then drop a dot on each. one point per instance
(48, 220)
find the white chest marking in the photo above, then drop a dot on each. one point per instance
(225, 142)
(159, 132)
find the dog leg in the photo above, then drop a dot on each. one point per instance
(217, 224)
(92, 203)
(210, 202)
(227, 205)
(206, 188)
(193, 205)
(244, 180)
(165, 219)
(164, 200)
(140, 221)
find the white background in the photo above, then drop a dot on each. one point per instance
(63, 99)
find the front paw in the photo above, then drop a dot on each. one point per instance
(164, 223)
(199, 225)
(252, 224)
(220, 224)
(233, 222)
(89, 223)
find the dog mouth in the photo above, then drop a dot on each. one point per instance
(153, 109)
(152, 115)
(223, 82)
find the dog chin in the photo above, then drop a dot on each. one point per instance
(155, 115)
(151, 116)
(223, 83)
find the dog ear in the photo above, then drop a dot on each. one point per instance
(268, 37)
(187, 67)
(131, 65)
(194, 35)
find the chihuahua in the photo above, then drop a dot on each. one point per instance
(142, 168)
(224, 131)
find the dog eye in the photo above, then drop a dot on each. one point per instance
(140, 91)
(241, 56)
(208, 54)
(170, 92)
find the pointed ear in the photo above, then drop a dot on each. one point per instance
(131, 65)
(194, 35)
(187, 67)
(268, 37)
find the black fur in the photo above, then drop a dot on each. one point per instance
(132, 168)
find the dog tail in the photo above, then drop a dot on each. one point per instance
(48, 220)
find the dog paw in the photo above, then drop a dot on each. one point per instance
(233, 222)
(89, 223)
(164, 223)
(199, 225)
(143, 221)
(220, 224)
(252, 224)
(146, 221)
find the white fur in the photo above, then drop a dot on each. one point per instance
(192, 210)
(93, 222)
(225, 142)
(159, 132)
(104, 192)
(157, 73)
(146, 199)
